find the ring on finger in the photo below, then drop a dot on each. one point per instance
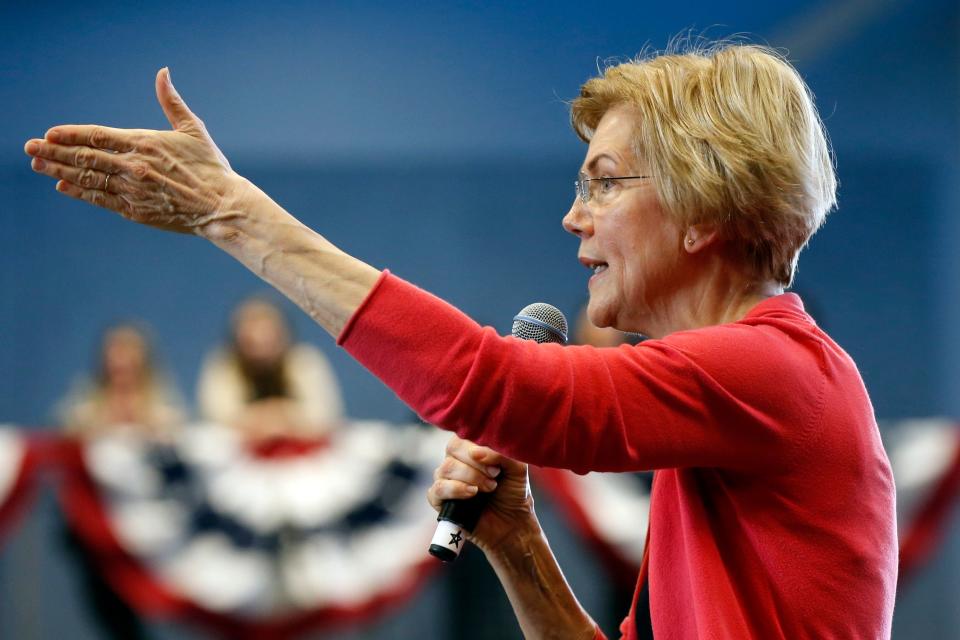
(106, 183)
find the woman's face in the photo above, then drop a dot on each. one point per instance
(631, 246)
(124, 356)
(260, 333)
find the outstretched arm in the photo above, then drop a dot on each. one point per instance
(510, 536)
(179, 180)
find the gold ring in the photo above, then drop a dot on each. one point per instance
(107, 182)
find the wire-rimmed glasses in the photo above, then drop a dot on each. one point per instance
(589, 188)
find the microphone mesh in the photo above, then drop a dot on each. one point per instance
(541, 323)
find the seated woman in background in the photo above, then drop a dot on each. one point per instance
(126, 395)
(264, 385)
(126, 391)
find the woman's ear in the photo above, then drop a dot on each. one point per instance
(700, 236)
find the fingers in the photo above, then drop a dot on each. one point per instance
(481, 458)
(94, 196)
(453, 469)
(491, 459)
(84, 178)
(94, 135)
(444, 489)
(461, 475)
(81, 157)
(485, 457)
(176, 110)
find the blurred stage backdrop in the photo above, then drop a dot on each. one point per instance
(432, 138)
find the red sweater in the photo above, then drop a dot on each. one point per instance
(772, 514)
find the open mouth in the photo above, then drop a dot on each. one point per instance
(597, 267)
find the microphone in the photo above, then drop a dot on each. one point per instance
(541, 323)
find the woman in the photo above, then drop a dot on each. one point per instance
(128, 396)
(706, 173)
(127, 391)
(265, 386)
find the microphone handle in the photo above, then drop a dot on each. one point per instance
(456, 517)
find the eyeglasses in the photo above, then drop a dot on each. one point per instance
(586, 190)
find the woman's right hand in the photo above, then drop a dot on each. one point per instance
(468, 469)
(175, 180)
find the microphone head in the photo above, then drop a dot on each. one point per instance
(541, 323)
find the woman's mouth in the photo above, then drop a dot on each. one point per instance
(598, 270)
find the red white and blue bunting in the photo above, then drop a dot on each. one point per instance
(264, 542)
(925, 456)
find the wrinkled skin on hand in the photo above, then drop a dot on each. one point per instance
(175, 180)
(469, 468)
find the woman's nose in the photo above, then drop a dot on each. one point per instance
(578, 220)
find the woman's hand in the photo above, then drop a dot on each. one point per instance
(468, 469)
(176, 180)
(510, 537)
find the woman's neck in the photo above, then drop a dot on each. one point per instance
(719, 296)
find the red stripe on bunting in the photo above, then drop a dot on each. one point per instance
(928, 527)
(286, 447)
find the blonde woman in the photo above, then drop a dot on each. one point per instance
(707, 171)
(264, 384)
(126, 392)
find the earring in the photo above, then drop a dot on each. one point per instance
(690, 242)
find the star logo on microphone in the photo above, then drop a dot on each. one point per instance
(455, 539)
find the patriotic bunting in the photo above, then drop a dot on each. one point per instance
(289, 535)
(271, 540)
(925, 456)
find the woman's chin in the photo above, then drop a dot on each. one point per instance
(599, 314)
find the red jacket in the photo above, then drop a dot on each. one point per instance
(772, 514)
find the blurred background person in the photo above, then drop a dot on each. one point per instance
(127, 396)
(266, 386)
(126, 390)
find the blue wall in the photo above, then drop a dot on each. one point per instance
(433, 140)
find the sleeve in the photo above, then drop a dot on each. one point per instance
(703, 398)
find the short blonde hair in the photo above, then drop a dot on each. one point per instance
(732, 137)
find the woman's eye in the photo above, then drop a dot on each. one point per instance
(606, 184)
